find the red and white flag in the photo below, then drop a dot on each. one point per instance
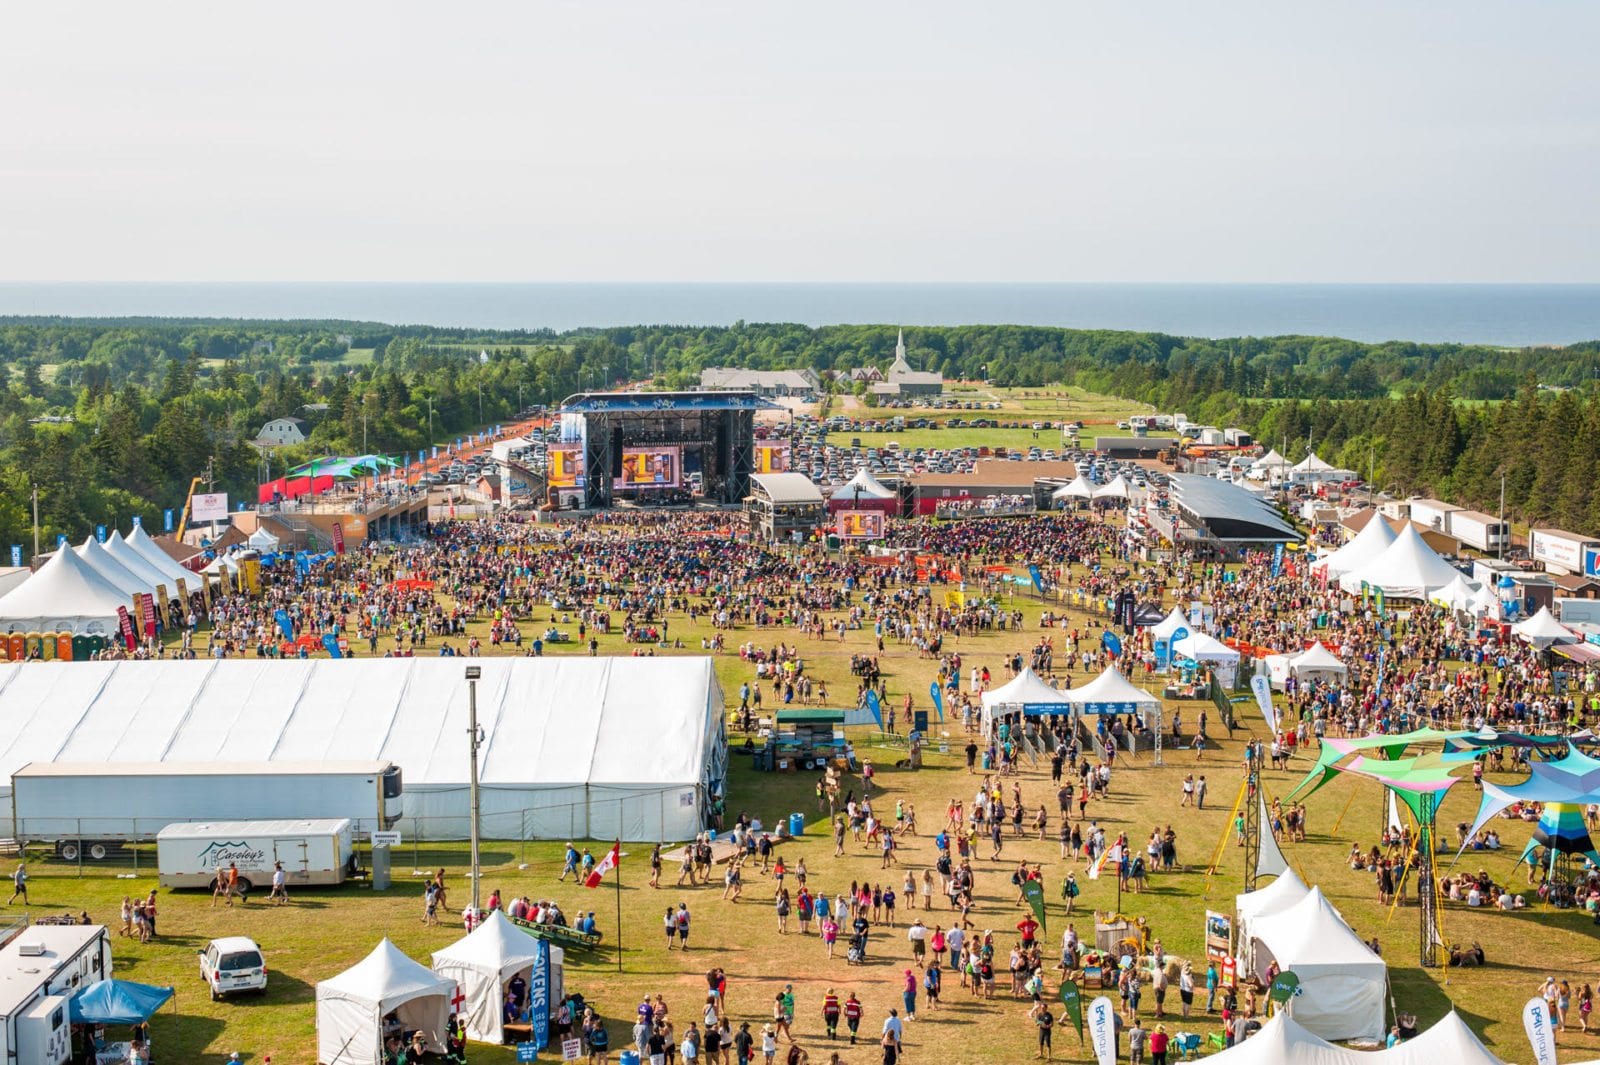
(608, 863)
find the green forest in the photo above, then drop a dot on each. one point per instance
(111, 418)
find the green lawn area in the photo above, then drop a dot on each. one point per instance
(325, 931)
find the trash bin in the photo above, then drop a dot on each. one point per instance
(630, 1057)
(797, 825)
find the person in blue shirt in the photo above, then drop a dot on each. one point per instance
(571, 865)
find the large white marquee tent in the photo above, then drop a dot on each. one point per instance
(598, 748)
(1285, 1040)
(1344, 980)
(1407, 569)
(65, 595)
(1365, 547)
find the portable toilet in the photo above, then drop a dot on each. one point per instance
(64, 647)
(82, 648)
(48, 646)
(17, 644)
(31, 645)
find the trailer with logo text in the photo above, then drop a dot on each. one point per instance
(317, 852)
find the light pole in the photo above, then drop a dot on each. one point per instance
(473, 673)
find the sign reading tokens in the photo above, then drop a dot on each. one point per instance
(386, 839)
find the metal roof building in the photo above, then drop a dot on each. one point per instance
(1227, 513)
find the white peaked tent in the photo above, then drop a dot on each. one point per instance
(483, 962)
(1118, 488)
(1271, 464)
(1026, 692)
(1318, 663)
(1371, 542)
(115, 573)
(1111, 693)
(1543, 629)
(1409, 569)
(1343, 980)
(1285, 1040)
(134, 562)
(352, 1005)
(162, 562)
(1170, 624)
(1457, 595)
(863, 486)
(66, 595)
(1079, 488)
(263, 541)
(1209, 651)
(1276, 897)
(1485, 604)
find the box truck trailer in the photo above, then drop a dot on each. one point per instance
(1433, 513)
(312, 852)
(88, 809)
(1479, 530)
(41, 969)
(1561, 552)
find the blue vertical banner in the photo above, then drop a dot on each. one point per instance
(1277, 560)
(876, 708)
(16, 554)
(282, 618)
(100, 533)
(938, 699)
(436, 451)
(331, 642)
(166, 520)
(1377, 689)
(138, 522)
(539, 993)
(61, 540)
(1038, 578)
(1163, 650)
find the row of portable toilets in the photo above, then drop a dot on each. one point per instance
(50, 646)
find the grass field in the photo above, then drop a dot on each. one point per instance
(325, 931)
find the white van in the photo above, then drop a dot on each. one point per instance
(311, 852)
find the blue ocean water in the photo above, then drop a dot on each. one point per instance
(1511, 315)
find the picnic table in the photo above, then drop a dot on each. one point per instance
(564, 935)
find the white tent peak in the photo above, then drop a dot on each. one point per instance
(262, 540)
(1317, 658)
(148, 549)
(1111, 687)
(1170, 624)
(1283, 1040)
(1368, 544)
(100, 560)
(1311, 464)
(1408, 569)
(863, 485)
(65, 594)
(388, 968)
(1078, 488)
(134, 562)
(1269, 858)
(482, 962)
(1542, 629)
(352, 1005)
(1118, 488)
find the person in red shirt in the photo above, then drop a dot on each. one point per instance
(1158, 1045)
(1029, 928)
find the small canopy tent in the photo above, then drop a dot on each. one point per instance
(1170, 624)
(1078, 488)
(1286, 1040)
(1543, 629)
(1344, 980)
(1365, 547)
(1318, 663)
(65, 595)
(1408, 569)
(351, 1006)
(1485, 604)
(484, 962)
(863, 491)
(263, 541)
(1026, 692)
(119, 1002)
(1111, 693)
(1457, 596)
(1118, 488)
(162, 562)
(100, 560)
(1271, 465)
(1209, 651)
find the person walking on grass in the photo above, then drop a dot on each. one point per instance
(19, 885)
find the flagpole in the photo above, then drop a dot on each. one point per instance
(616, 869)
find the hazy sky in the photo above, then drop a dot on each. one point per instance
(871, 141)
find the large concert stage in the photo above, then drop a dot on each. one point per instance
(653, 446)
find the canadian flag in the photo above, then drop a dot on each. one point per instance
(608, 863)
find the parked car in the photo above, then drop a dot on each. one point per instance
(231, 965)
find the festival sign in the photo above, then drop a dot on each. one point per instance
(147, 610)
(338, 538)
(1219, 935)
(859, 524)
(125, 624)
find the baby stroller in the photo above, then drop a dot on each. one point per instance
(857, 954)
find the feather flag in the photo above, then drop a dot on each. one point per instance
(598, 874)
(1112, 853)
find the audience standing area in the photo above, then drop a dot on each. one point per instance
(573, 747)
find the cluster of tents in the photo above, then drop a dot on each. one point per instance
(79, 589)
(469, 977)
(1081, 489)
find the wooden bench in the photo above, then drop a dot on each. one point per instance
(563, 935)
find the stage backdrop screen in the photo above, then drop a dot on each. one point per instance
(564, 466)
(859, 525)
(651, 467)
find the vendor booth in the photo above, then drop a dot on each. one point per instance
(1343, 981)
(1287, 1040)
(1318, 664)
(1079, 490)
(1026, 694)
(1112, 693)
(385, 994)
(1210, 652)
(117, 1004)
(1543, 629)
(864, 492)
(486, 961)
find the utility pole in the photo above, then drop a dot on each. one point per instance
(430, 421)
(35, 522)
(211, 486)
(1507, 532)
(473, 674)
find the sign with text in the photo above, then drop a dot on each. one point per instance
(539, 993)
(125, 624)
(338, 538)
(209, 506)
(147, 608)
(386, 839)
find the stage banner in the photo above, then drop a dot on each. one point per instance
(338, 538)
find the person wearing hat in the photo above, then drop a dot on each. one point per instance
(769, 1043)
(743, 1044)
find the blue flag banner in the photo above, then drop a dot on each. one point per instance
(1038, 578)
(100, 533)
(539, 993)
(876, 708)
(302, 562)
(1277, 560)
(1112, 643)
(331, 642)
(282, 618)
(61, 540)
(16, 555)
(938, 699)
(166, 519)
(1163, 650)
(137, 521)
(1377, 689)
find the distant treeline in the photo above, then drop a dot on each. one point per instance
(150, 399)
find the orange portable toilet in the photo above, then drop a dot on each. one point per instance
(15, 643)
(64, 646)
